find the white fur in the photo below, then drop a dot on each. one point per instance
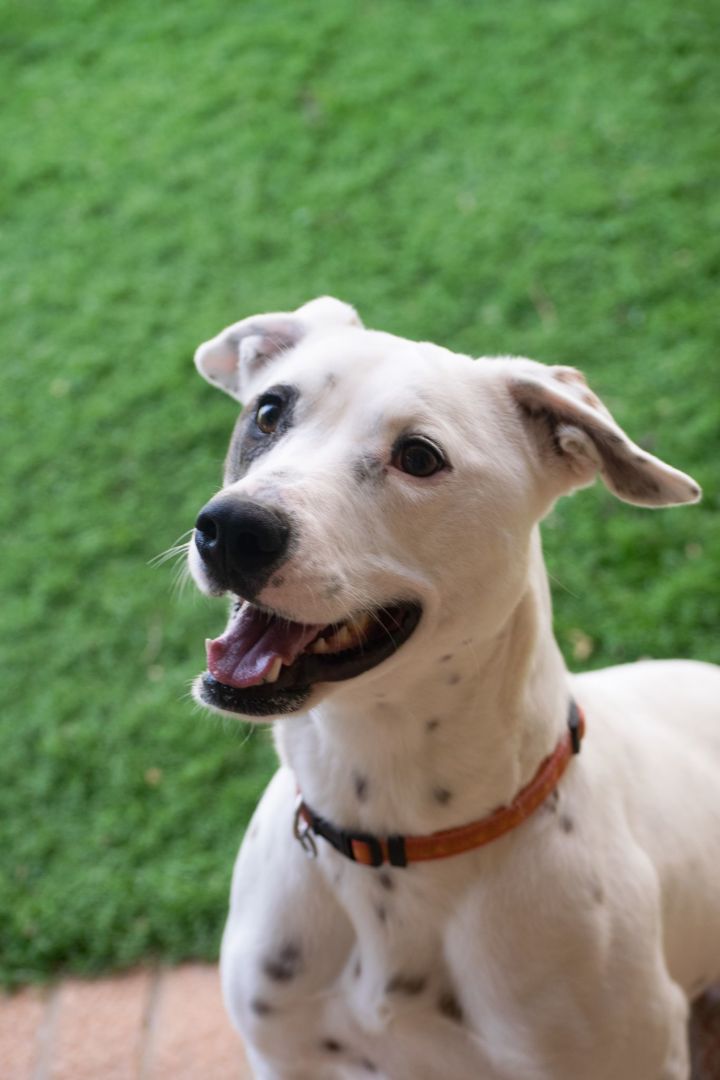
(573, 943)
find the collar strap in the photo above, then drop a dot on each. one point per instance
(401, 850)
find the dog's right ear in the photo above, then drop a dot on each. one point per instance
(239, 352)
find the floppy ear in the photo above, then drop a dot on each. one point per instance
(577, 436)
(230, 360)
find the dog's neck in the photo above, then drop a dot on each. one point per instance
(450, 747)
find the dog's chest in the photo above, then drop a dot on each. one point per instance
(394, 977)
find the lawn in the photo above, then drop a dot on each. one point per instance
(530, 178)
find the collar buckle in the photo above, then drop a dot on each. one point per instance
(302, 831)
(575, 726)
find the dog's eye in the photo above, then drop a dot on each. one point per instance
(418, 457)
(268, 413)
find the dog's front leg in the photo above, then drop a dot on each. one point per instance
(264, 1070)
(285, 944)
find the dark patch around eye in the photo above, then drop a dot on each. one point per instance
(249, 443)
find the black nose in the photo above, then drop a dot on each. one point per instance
(241, 543)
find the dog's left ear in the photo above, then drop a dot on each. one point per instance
(239, 352)
(577, 436)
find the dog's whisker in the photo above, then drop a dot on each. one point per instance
(170, 553)
(561, 585)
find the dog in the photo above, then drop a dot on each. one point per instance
(436, 883)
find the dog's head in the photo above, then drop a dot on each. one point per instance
(379, 498)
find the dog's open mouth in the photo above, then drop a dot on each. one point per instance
(264, 664)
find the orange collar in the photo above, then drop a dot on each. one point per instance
(401, 850)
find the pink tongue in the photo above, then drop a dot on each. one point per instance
(252, 642)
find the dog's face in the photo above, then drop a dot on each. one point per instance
(378, 500)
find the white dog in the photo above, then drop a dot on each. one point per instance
(538, 914)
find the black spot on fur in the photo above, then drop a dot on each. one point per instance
(368, 1065)
(261, 1007)
(286, 965)
(551, 803)
(444, 659)
(386, 880)
(432, 725)
(598, 893)
(450, 1007)
(369, 469)
(361, 786)
(333, 587)
(357, 970)
(454, 679)
(381, 912)
(442, 795)
(330, 381)
(566, 823)
(409, 985)
(332, 1046)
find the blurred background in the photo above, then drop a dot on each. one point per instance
(524, 177)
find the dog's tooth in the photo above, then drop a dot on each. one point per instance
(360, 624)
(319, 646)
(340, 640)
(273, 671)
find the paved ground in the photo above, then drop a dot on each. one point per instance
(171, 1025)
(162, 1025)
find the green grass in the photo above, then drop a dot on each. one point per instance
(516, 177)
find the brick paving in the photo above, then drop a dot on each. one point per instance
(145, 1025)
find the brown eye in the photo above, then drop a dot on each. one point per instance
(418, 457)
(268, 413)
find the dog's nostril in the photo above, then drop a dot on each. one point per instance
(206, 527)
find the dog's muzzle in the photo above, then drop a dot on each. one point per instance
(241, 543)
